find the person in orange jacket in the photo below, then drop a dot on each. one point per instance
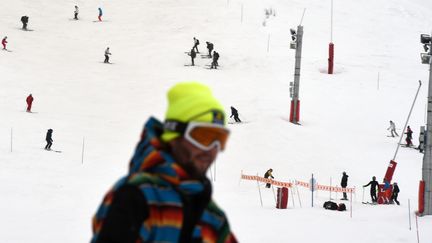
(29, 101)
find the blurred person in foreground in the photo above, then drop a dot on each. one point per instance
(166, 196)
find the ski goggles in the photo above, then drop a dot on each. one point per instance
(203, 135)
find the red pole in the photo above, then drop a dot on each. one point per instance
(331, 58)
(421, 197)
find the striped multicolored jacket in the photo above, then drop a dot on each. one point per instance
(164, 184)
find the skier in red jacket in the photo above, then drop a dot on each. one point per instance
(4, 42)
(29, 101)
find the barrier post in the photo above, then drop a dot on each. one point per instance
(418, 238)
(298, 195)
(259, 190)
(11, 139)
(351, 204)
(330, 191)
(274, 196)
(292, 196)
(82, 152)
(409, 214)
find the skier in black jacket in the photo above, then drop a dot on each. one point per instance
(24, 20)
(210, 48)
(344, 184)
(374, 186)
(196, 43)
(234, 113)
(267, 175)
(48, 139)
(192, 54)
(409, 137)
(215, 63)
(395, 194)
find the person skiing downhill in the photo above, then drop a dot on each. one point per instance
(192, 54)
(374, 186)
(76, 12)
(29, 101)
(24, 20)
(107, 53)
(344, 184)
(234, 113)
(267, 175)
(100, 14)
(166, 196)
(4, 42)
(209, 48)
(392, 129)
(408, 139)
(214, 63)
(196, 43)
(49, 139)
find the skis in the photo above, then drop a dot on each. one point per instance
(52, 150)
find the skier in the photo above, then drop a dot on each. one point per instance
(392, 129)
(29, 101)
(344, 184)
(395, 194)
(192, 54)
(374, 186)
(49, 139)
(107, 53)
(210, 48)
(234, 113)
(408, 139)
(100, 14)
(24, 20)
(76, 12)
(4, 42)
(215, 60)
(196, 43)
(267, 175)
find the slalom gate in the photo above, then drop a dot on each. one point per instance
(297, 183)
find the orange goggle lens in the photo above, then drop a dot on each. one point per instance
(209, 136)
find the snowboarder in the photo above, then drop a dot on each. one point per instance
(196, 43)
(408, 139)
(392, 129)
(76, 12)
(107, 53)
(374, 186)
(100, 14)
(49, 139)
(344, 184)
(234, 113)
(4, 42)
(29, 101)
(192, 54)
(267, 175)
(210, 48)
(166, 195)
(24, 20)
(395, 194)
(214, 63)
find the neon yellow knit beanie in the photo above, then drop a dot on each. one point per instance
(192, 101)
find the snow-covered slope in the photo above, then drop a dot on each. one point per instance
(51, 197)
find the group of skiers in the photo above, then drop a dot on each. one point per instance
(375, 187)
(210, 46)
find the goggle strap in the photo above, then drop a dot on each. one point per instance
(175, 126)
